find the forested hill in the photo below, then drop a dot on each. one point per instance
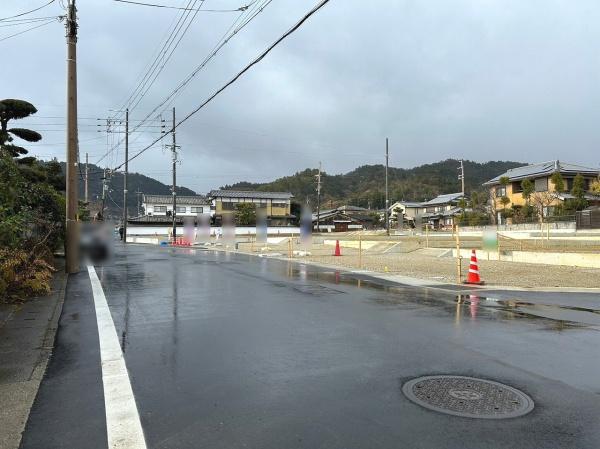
(136, 182)
(365, 186)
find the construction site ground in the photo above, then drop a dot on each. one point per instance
(410, 257)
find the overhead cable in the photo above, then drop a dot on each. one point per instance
(235, 78)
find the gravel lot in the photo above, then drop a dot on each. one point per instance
(425, 264)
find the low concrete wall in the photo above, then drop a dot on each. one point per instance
(146, 240)
(353, 243)
(159, 231)
(584, 260)
(561, 225)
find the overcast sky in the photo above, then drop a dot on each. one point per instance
(476, 79)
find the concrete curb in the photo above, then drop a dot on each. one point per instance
(22, 394)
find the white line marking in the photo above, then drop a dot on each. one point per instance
(123, 426)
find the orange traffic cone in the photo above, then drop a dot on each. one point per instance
(473, 277)
(337, 248)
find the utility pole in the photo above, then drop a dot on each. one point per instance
(104, 190)
(87, 172)
(125, 175)
(174, 153)
(71, 239)
(318, 176)
(461, 176)
(387, 200)
(138, 193)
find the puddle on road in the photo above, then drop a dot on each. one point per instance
(460, 306)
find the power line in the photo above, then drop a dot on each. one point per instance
(21, 22)
(241, 8)
(27, 12)
(139, 90)
(27, 30)
(129, 101)
(168, 58)
(222, 42)
(227, 36)
(236, 77)
(142, 88)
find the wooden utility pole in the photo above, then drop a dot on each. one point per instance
(387, 200)
(125, 175)
(318, 176)
(71, 237)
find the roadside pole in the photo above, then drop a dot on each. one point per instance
(71, 239)
(387, 200)
(87, 173)
(318, 197)
(174, 149)
(427, 235)
(458, 258)
(360, 251)
(125, 175)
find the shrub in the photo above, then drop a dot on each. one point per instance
(23, 274)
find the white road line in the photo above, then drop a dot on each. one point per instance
(123, 426)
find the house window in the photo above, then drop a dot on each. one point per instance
(500, 191)
(541, 185)
(197, 210)
(279, 205)
(430, 210)
(160, 209)
(181, 209)
(229, 206)
(516, 187)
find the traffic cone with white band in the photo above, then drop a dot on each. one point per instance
(473, 277)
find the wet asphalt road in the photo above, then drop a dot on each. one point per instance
(233, 351)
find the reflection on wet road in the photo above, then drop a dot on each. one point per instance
(228, 350)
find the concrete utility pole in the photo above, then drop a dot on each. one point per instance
(103, 194)
(462, 176)
(138, 193)
(125, 175)
(318, 176)
(387, 200)
(71, 238)
(87, 172)
(174, 150)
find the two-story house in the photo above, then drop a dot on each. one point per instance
(277, 205)
(441, 210)
(540, 175)
(187, 206)
(403, 213)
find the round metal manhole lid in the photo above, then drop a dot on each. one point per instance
(468, 397)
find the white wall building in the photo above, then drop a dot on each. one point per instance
(187, 206)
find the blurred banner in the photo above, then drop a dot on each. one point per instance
(261, 226)
(490, 240)
(306, 226)
(229, 229)
(188, 229)
(203, 228)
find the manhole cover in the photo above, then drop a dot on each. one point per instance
(468, 397)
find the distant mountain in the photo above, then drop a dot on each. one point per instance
(136, 182)
(365, 186)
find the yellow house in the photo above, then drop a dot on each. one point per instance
(544, 189)
(277, 205)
